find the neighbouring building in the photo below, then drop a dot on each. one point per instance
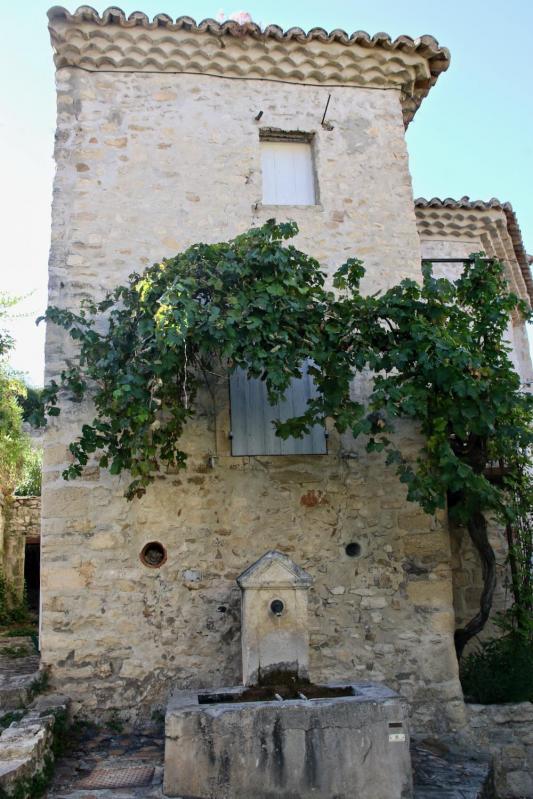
(20, 532)
(169, 133)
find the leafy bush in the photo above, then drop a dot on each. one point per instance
(501, 670)
(19, 651)
(19, 463)
(31, 402)
(14, 443)
(25, 630)
(13, 610)
(6, 341)
(30, 483)
(10, 717)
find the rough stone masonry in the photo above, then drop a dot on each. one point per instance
(158, 147)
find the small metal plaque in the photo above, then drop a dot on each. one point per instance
(397, 736)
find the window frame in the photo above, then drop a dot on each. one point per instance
(315, 442)
(277, 135)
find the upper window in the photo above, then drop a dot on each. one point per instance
(287, 167)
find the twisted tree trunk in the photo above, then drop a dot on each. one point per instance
(477, 528)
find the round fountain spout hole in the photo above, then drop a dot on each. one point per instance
(277, 607)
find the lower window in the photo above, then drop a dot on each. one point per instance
(252, 416)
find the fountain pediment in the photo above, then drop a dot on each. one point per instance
(274, 570)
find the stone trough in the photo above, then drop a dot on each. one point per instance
(339, 741)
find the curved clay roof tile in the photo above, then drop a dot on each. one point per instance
(114, 15)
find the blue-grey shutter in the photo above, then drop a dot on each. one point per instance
(252, 416)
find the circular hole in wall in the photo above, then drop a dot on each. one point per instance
(277, 607)
(153, 554)
(353, 549)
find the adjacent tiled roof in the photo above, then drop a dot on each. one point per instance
(465, 203)
(317, 57)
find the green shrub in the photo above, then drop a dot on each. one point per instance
(31, 402)
(10, 717)
(501, 670)
(20, 651)
(18, 461)
(30, 480)
(13, 610)
(14, 443)
(40, 684)
(25, 630)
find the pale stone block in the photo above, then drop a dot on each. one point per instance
(371, 602)
(433, 593)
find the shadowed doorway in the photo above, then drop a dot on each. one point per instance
(32, 573)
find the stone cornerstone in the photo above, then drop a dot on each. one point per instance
(158, 147)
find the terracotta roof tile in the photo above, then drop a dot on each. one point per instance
(113, 15)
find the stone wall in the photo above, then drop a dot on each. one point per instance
(146, 165)
(23, 522)
(506, 731)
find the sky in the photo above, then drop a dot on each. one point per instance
(472, 135)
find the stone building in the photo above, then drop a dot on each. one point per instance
(169, 133)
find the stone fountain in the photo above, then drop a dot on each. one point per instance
(278, 735)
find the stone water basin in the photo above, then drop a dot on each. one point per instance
(221, 744)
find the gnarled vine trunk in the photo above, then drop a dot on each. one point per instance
(477, 528)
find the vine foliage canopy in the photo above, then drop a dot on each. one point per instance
(251, 303)
(437, 349)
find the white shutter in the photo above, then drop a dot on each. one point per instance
(288, 177)
(252, 416)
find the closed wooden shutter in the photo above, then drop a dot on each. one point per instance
(288, 176)
(252, 417)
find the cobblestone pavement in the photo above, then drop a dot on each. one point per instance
(438, 774)
(19, 667)
(18, 656)
(105, 750)
(441, 774)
